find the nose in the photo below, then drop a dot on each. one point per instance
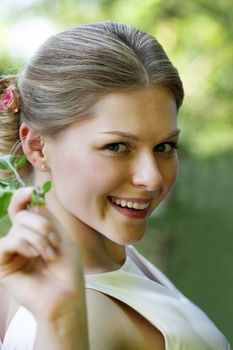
(147, 174)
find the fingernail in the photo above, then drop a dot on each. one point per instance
(54, 239)
(51, 254)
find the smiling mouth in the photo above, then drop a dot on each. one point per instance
(130, 205)
(130, 209)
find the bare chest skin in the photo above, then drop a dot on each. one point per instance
(116, 326)
(112, 324)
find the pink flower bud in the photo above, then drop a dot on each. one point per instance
(9, 100)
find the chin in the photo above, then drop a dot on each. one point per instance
(128, 239)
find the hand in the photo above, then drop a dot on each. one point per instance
(39, 262)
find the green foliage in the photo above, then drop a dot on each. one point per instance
(13, 182)
(38, 195)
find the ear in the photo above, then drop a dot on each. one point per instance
(33, 146)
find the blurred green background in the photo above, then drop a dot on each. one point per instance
(190, 235)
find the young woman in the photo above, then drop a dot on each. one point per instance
(96, 112)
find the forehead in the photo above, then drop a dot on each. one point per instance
(143, 108)
(149, 114)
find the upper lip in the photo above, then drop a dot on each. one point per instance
(133, 199)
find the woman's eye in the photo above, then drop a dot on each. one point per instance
(116, 148)
(167, 147)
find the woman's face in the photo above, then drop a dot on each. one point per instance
(124, 156)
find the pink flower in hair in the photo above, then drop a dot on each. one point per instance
(9, 100)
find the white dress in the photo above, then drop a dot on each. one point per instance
(143, 287)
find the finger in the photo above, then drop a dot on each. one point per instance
(20, 235)
(19, 201)
(15, 258)
(8, 249)
(37, 223)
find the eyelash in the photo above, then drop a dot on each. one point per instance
(173, 145)
(115, 153)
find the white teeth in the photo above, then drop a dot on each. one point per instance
(136, 206)
(123, 203)
(144, 206)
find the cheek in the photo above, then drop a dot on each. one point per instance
(85, 178)
(169, 173)
(175, 166)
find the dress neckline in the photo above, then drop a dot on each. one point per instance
(123, 267)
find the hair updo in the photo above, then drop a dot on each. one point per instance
(72, 69)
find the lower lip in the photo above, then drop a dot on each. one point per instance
(131, 213)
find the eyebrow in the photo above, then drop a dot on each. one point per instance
(136, 138)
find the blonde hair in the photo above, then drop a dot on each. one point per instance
(72, 69)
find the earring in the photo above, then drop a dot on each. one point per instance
(43, 166)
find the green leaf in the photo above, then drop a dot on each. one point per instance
(4, 203)
(5, 190)
(6, 162)
(47, 186)
(37, 198)
(10, 185)
(13, 184)
(3, 183)
(20, 162)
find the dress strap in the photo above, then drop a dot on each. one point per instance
(140, 264)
